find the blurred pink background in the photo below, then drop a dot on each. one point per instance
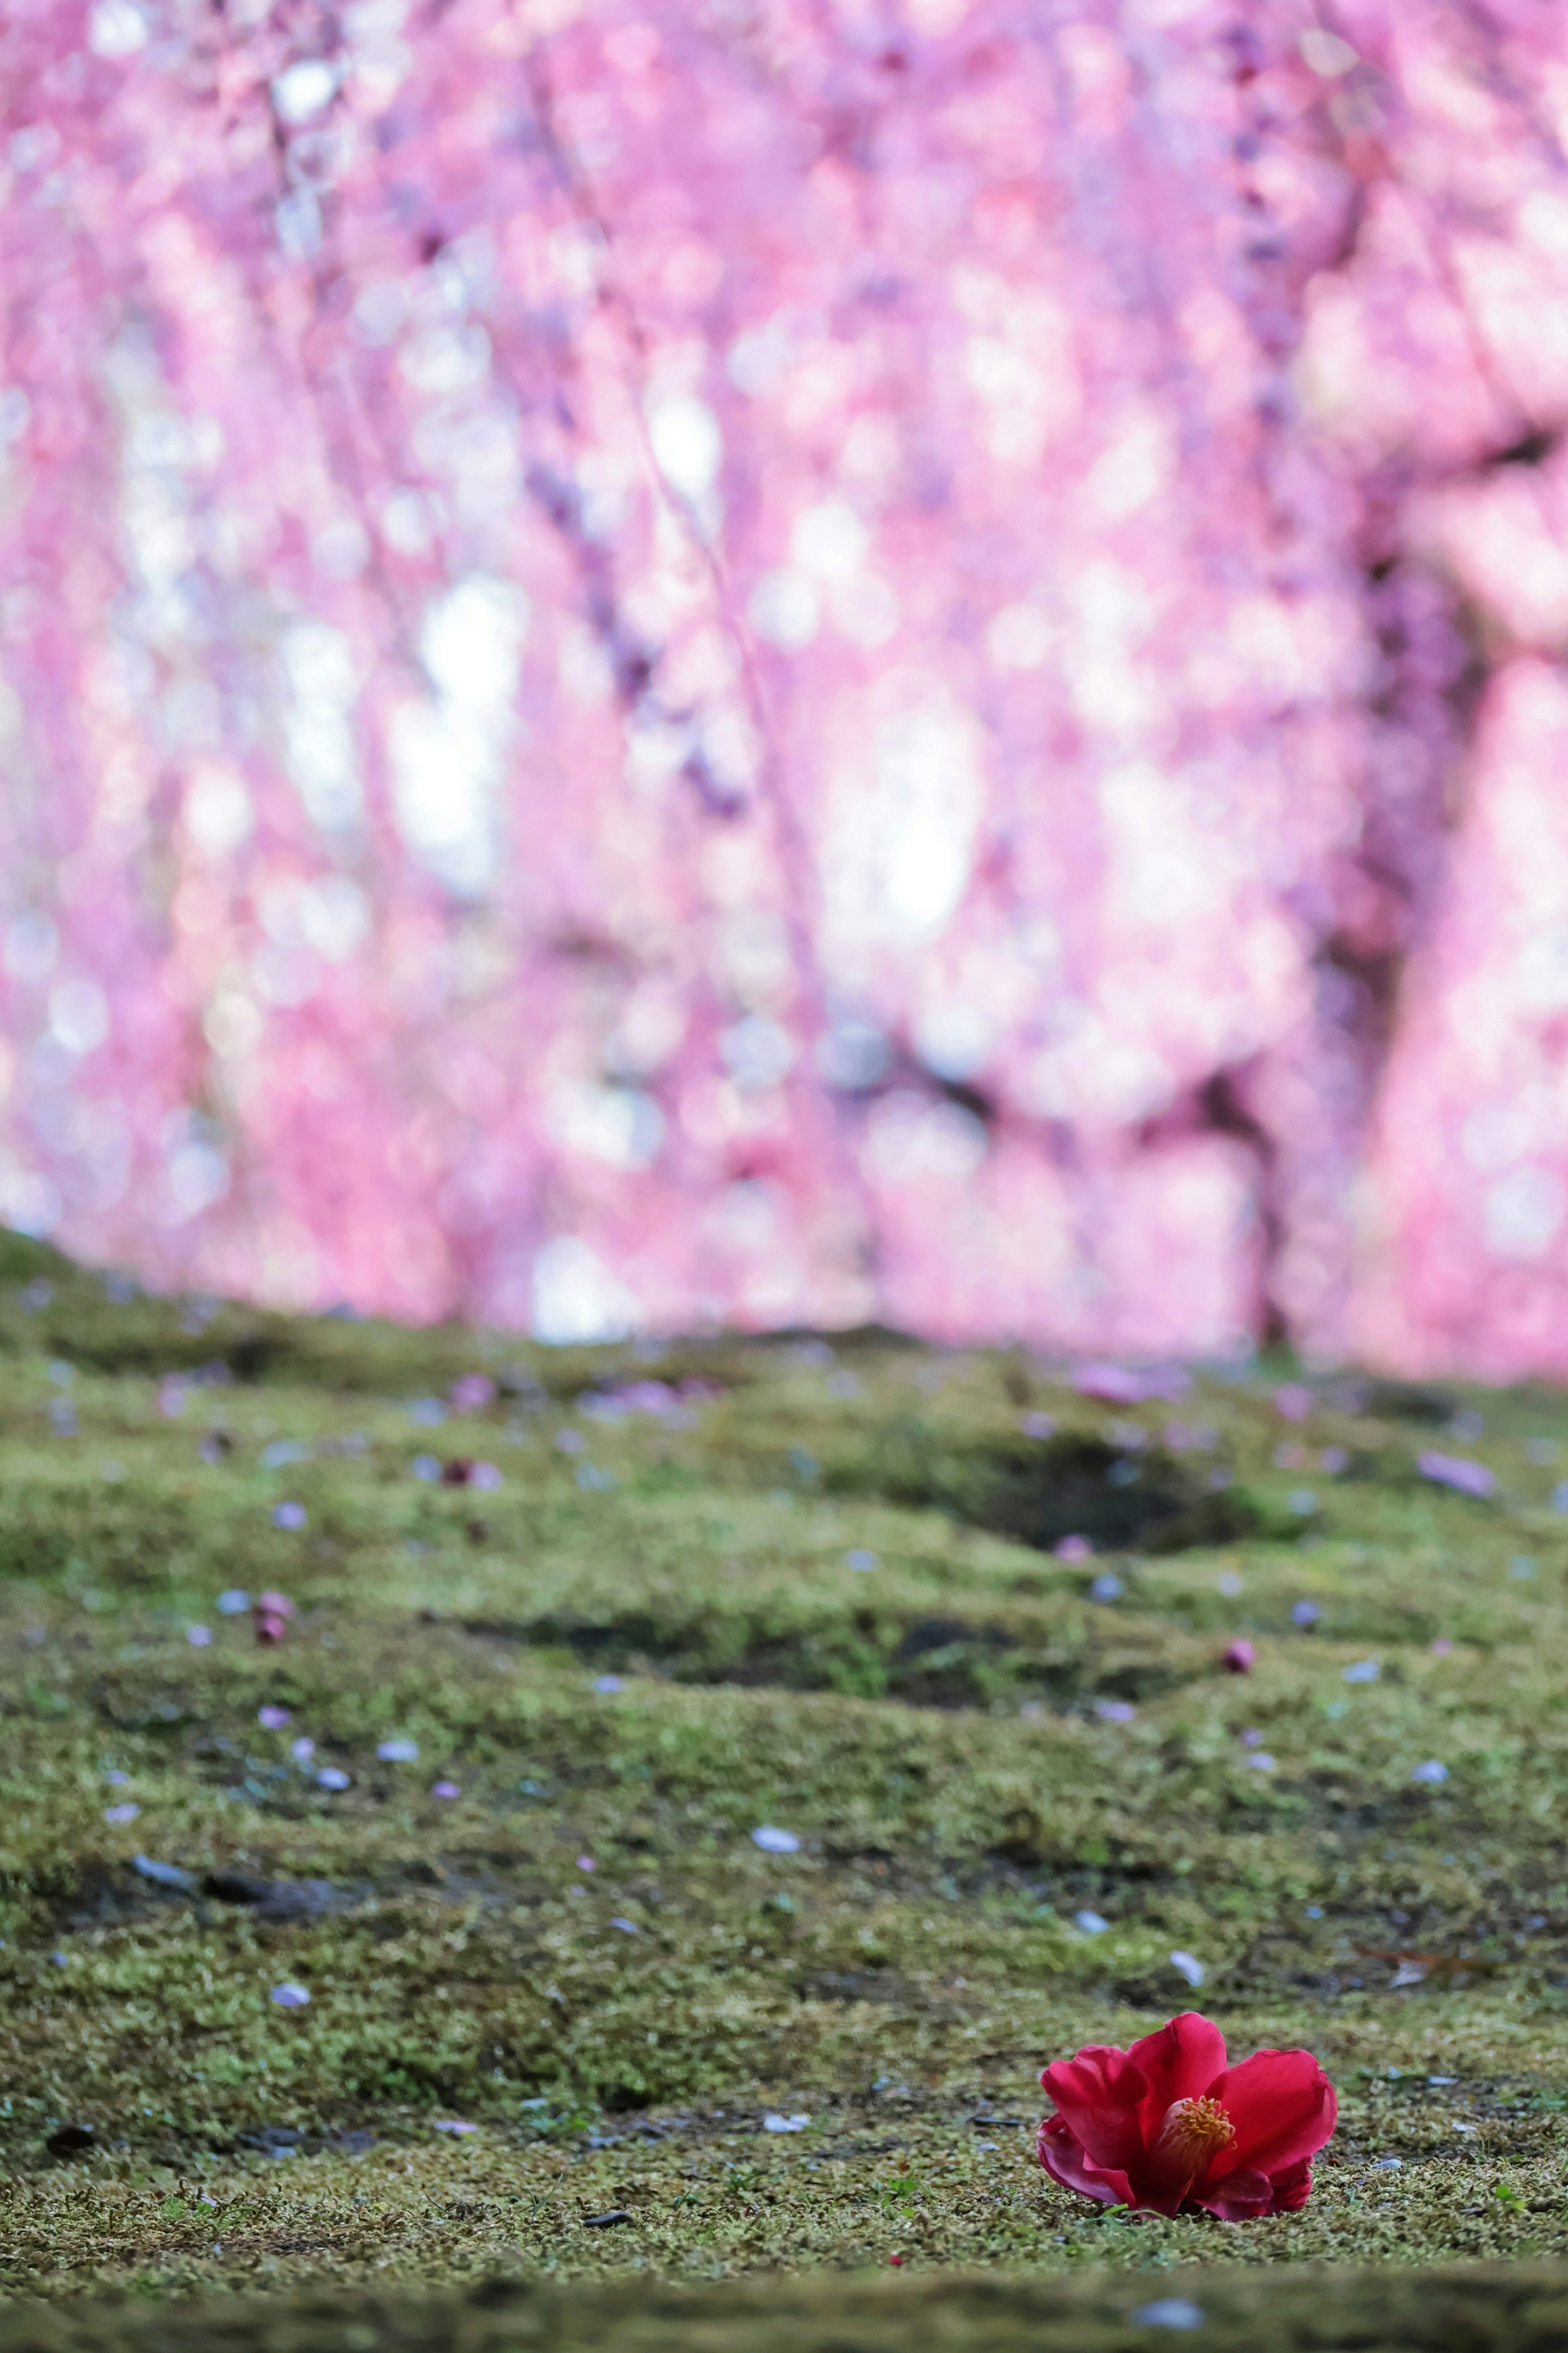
(771, 661)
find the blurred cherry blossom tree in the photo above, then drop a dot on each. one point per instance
(793, 659)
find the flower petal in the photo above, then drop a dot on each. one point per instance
(1064, 2161)
(1099, 2096)
(1241, 2196)
(1179, 2062)
(1292, 2188)
(1283, 2107)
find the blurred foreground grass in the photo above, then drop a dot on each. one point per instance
(572, 2019)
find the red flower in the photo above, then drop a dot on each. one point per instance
(1169, 2124)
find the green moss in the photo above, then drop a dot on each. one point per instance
(926, 1726)
(1483, 2309)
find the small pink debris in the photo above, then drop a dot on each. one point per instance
(445, 1789)
(460, 1471)
(1239, 1656)
(452, 2125)
(270, 1613)
(472, 1393)
(1293, 1402)
(115, 1815)
(272, 1718)
(172, 1398)
(586, 1862)
(1074, 1548)
(1442, 1647)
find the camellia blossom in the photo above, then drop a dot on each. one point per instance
(1169, 2124)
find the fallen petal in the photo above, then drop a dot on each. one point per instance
(774, 1841)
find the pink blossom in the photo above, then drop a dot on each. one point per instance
(375, 412)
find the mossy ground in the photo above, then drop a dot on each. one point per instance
(926, 1726)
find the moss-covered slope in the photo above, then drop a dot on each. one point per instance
(798, 1587)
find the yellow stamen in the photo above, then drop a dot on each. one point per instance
(1192, 2131)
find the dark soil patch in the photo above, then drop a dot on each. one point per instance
(1414, 1401)
(1074, 1484)
(928, 1662)
(857, 1985)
